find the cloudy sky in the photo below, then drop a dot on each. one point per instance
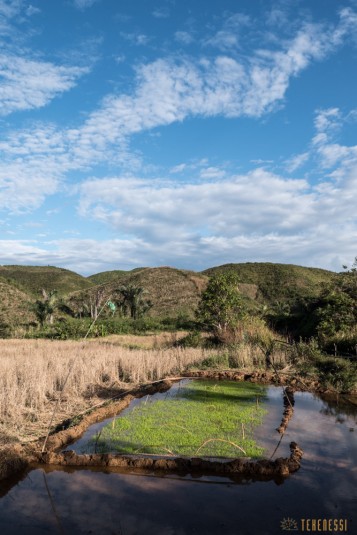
(178, 132)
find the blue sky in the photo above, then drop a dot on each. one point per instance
(189, 134)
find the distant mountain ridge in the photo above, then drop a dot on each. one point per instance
(172, 291)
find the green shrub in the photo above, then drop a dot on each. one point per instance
(193, 339)
(338, 373)
(220, 361)
(5, 330)
(332, 372)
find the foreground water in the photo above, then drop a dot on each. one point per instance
(92, 501)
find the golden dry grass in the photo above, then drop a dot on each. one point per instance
(145, 341)
(32, 373)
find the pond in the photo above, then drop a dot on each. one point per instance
(50, 500)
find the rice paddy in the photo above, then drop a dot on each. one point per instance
(202, 418)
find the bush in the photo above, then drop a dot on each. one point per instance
(220, 361)
(193, 339)
(337, 373)
(5, 330)
(69, 329)
(332, 372)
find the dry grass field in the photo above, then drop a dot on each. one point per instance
(32, 373)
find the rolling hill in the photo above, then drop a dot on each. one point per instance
(277, 282)
(172, 291)
(31, 279)
(15, 306)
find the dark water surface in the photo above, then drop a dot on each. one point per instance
(87, 501)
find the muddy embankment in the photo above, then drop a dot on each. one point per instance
(261, 468)
(19, 458)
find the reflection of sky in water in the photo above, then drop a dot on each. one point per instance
(96, 502)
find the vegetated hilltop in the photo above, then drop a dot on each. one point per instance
(174, 291)
(171, 291)
(110, 276)
(15, 307)
(277, 282)
(32, 279)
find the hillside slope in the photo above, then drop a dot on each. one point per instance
(278, 282)
(32, 279)
(15, 306)
(111, 276)
(171, 291)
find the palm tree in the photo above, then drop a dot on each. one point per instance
(133, 300)
(45, 308)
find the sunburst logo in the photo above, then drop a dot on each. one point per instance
(288, 524)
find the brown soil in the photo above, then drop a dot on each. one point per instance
(288, 409)
(266, 468)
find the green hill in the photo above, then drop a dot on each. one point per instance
(32, 279)
(172, 291)
(15, 306)
(277, 282)
(107, 276)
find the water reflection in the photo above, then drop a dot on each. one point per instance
(92, 501)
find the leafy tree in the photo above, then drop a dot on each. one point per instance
(44, 308)
(337, 310)
(221, 305)
(133, 301)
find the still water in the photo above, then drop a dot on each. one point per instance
(86, 501)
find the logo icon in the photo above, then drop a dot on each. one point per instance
(288, 524)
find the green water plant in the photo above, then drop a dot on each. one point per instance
(204, 418)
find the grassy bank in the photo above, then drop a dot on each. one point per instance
(202, 418)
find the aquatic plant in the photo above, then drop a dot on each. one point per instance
(203, 418)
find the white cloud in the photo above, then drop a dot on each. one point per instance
(327, 120)
(178, 168)
(138, 39)
(83, 4)
(228, 37)
(84, 256)
(212, 173)
(21, 191)
(223, 40)
(330, 153)
(184, 37)
(26, 84)
(161, 13)
(168, 91)
(10, 8)
(32, 10)
(162, 213)
(165, 91)
(258, 216)
(297, 161)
